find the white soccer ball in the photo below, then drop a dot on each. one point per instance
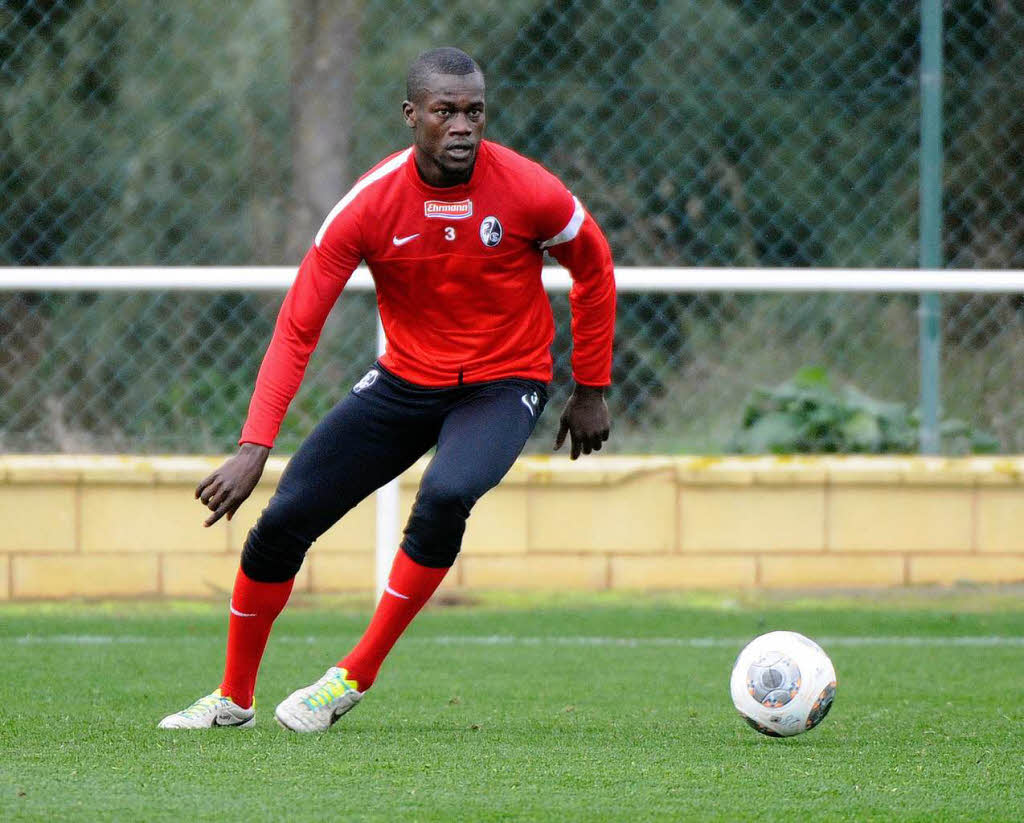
(783, 684)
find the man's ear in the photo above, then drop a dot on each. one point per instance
(409, 112)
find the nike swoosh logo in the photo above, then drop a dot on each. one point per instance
(390, 590)
(528, 405)
(217, 722)
(401, 241)
(237, 613)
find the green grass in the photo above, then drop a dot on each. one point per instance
(529, 727)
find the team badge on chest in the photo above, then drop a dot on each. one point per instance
(490, 231)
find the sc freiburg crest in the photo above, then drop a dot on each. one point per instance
(490, 231)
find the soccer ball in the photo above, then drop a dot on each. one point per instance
(783, 684)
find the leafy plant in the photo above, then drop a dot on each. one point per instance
(807, 414)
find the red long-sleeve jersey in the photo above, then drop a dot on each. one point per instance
(458, 278)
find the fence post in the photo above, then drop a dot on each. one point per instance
(387, 514)
(930, 221)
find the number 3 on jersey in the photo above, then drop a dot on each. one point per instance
(449, 232)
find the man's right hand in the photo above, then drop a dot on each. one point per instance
(227, 488)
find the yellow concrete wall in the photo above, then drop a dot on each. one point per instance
(123, 526)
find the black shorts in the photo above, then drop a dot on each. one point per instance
(378, 431)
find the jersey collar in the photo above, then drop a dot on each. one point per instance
(451, 192)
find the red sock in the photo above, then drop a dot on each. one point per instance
(408, 589)
(254, 607)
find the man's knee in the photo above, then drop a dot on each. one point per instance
(451, 496)
(276, 545)
(438, 521)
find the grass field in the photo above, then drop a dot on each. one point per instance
(535, 707)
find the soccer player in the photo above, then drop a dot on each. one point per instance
(453, 230)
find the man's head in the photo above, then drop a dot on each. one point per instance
(445, 110)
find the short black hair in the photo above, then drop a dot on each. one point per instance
(445, 60)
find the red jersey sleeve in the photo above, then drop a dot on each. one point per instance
(322, 275)
(570, 235)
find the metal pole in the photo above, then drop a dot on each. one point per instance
(387, 513)
(930, 313)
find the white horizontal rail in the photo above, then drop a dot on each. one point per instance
(276, 278)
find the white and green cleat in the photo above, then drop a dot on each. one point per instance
(210, 711)
(316, 708)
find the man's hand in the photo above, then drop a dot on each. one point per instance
(227, 488)
(586, 420)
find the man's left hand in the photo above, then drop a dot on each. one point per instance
(586, 420)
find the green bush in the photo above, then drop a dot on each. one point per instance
(807, 414)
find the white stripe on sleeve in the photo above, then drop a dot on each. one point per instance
(571, 229)
(392, 165)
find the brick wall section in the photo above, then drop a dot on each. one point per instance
(124, 526)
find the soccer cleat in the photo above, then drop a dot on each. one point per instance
(316, 708)
(212, 710)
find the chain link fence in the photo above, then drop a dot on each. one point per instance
(698, 132)
(172, 372)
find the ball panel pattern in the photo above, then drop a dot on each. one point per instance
(821, 705)
(773, 680)
(763, 729)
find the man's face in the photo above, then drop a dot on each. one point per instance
(448, 124)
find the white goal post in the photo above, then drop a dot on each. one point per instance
(556, 279)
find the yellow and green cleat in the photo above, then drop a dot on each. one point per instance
(317, 707)
(211, 711)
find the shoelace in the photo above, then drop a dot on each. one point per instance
(202, 705)
(328, 689)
